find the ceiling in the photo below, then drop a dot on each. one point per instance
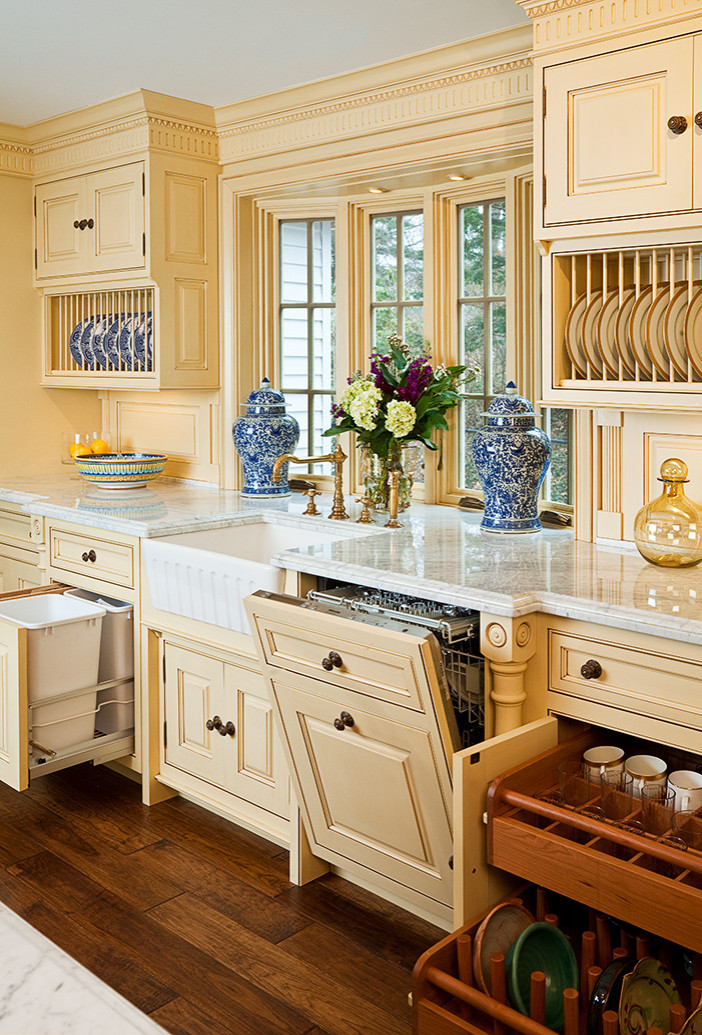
(58, 55)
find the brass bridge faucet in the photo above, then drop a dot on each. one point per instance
(338, 511)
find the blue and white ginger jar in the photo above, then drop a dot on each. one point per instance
(512, 456)
(261, 435)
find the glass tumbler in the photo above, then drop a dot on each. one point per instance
(574, 783)
(617, 790)
(657, 806)
(688, 827)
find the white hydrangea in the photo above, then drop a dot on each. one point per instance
(356, 388)
(364, 405)
(401, 418)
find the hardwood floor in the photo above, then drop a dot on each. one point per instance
(194, 920)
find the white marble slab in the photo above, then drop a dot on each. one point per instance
(43, 991)
(440, 553)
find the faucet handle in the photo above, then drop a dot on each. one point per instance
(394, 500)
(311, 508)
(365, 517)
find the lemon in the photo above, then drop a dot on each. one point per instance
(99, 446)
(78, 449)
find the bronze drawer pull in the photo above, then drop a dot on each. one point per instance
(698, 119)
(89, 555)
(333, 660)
(343, 721)
(677, 124)
(224, 729)
(591, 669)
(81, 225)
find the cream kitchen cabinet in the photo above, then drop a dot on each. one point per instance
(622, 137)
(91, 224)
(218, 728)
(19, 557)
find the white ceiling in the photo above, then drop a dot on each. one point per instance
(58, 55)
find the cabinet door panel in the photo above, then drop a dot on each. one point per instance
(193, 692)
(697, 130)
(256, 770)
(608, 151)
(117, 200)
(376, 793)
(60, 245)
(14, 746)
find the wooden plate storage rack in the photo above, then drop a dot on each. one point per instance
(101, 338)
(601, 299)
(615, 870)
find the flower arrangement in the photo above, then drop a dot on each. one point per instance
(402, 399)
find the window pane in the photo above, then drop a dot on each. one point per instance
(323, 261)
(497, 246)
(473, 253)
(498, 350)
(293, 262)
(321, 419)
(413, 256)
(385, 258)
(294, 348)
(558, 475)
(413, 330)
(473, 338)
(384, 324)
(296, 406)
(323, 348)
(473, 420)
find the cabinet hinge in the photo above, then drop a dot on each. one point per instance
(544, 193)
(163, 666)
(35, 208)
(143, 185)
(543, 104)
(165, 734)
(35, 259)
(143, 244)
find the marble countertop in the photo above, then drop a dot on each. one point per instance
(45, 992)
(440, 553)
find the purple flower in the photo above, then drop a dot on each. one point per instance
(338, 411)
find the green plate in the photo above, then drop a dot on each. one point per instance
(542, 947)
(647, 995)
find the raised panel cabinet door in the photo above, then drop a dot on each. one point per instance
(193, 693)
(375, 792)
(117, 200)
(256, 769)
(608, 148)
(697, 128)
(14, 733)
(61, 245)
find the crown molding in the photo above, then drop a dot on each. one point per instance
(407, 105)
(15, 157)
(562, 23)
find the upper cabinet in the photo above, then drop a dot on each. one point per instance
(91, 224)
(126, 245)
(620, 138)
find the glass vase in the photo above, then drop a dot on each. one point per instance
(668, 530)
(375, 471)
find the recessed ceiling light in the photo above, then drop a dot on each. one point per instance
(377, 190)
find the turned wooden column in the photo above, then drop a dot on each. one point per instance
(507, 645)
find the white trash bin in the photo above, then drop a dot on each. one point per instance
(63, 654)
(115, 705)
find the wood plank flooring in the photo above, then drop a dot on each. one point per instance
(194, 920)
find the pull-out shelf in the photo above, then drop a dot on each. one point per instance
(616, 870)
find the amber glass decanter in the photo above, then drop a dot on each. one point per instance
(668, 530)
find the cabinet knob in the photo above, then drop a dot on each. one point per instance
(677, 124)
(698, 119)
(591, 669)
(91, 224)
(223, 728)
(89, 555)
(343, 721)
(333, 660)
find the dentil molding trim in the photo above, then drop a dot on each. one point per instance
(397, 107)
(559, 23)
(15, 158)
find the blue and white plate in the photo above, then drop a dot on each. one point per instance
(137, 333)
(74, 342)
(86, 345)
(111, 342)
(100, 325)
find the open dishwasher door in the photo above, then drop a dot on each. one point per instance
(367, 725)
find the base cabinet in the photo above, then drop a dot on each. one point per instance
(218, 727)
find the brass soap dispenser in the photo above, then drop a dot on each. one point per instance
(668, 530)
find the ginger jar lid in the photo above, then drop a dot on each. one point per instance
(510, 408)
(265, 400)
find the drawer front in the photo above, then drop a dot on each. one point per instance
(643, 681)
(371, 660)
(14, 527)
(88, 555)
